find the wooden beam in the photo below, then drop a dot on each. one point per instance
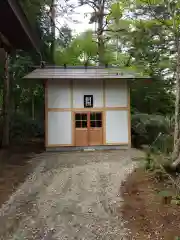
(15, 27)
(5, 45)
(18, 11)
(86, 109)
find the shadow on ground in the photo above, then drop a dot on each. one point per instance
(15, 165)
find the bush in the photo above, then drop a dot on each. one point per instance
(23, 128)
(153, 130)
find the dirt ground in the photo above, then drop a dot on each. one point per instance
(69, 196)
(145, 214)
(15, 165)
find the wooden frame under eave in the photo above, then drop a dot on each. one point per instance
(104, 112)
(86, 109)
(129, 115)
(46, 111)
(72, 116)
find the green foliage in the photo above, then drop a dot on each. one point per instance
(154, 162)
(164, 143)
(22, 91)
(153, 96)
(165, 193)
(176, 201)
(81, 49)
(1, 100)
(116, 11)
(148, 129)
(22, 127)
(65, 37)
(149, 161)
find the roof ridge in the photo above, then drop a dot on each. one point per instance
(79, 67)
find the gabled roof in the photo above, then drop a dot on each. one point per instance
(15, 30)
(81, 73)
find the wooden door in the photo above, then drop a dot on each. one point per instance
(95, 129)
(88, 129)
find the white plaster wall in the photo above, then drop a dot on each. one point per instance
(59, 128)
(116, 92)
(116, 127)
(59, 94)
(87, 87)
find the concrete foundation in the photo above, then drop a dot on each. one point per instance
(89, 148)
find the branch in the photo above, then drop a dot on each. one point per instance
(105, 23)
(154, 15)
(128, 61)
(93, 4)
(118, 30)
(107, 39)
(54, 24)
(90, 3)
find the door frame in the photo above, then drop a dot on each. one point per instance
(74, 125)
(88, 124)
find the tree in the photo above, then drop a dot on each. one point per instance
(53, 16)
(64, 38)
(83, 49)
(98, 16)
(6, 92)
(166, 14)
(104, 12)
(15, 68)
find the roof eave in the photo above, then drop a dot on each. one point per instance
(82, 73)
(15, 29)
(17, 9)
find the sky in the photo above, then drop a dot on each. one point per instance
(81, 16)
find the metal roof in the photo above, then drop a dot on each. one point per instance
(80, 73)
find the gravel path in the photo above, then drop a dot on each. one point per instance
(69, 196)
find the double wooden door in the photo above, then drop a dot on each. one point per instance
(88, 128)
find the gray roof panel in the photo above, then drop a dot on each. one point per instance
(80, 73)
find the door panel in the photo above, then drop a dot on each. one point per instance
(95, 129)
(81, 136)
(88, 129)
(81, 129)
(95, 136)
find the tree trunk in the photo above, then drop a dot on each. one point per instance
(100, 31)
(32, 106)
(6, 112)
(175, 154)
(53, 16)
